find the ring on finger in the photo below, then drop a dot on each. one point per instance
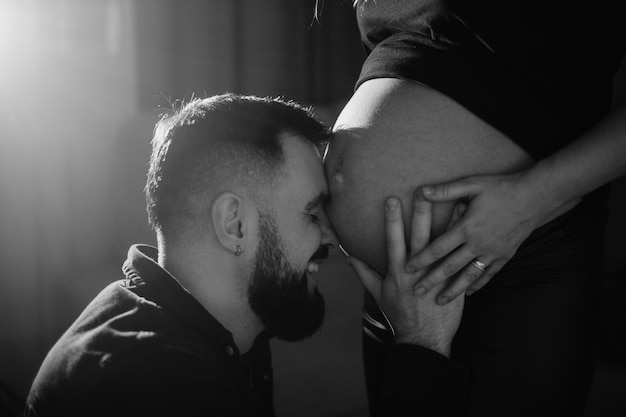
(478, 264)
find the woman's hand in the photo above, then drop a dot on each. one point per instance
(415, 318)
(502, 211)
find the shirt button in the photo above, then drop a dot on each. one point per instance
(266, 377)
(229, 350)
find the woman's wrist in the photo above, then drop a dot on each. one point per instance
(538, 186)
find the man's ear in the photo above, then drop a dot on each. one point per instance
(232, 217)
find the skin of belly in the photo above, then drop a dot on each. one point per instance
(393, 136)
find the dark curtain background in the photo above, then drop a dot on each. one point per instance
(82, 83)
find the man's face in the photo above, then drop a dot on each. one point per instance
(293, 241)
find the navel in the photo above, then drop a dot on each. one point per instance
(337, 180)
(335, 177)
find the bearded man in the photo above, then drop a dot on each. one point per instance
(236, 194)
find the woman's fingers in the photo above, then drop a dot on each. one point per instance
(394, 232)
(451, 191)
(436, 250)
(420, 222)
(470, 275)
(370, 278)
(452, 264)
(486, 277)
(469, 281)
(459, 210)
(420, 234)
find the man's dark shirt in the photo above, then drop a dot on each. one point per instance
(145, 347)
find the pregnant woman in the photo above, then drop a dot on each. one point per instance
(452, 89)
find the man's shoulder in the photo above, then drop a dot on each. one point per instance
(120, 329)
(166, 376)
(124, 347)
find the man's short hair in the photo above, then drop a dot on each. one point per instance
(221, 143)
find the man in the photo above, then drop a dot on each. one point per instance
(236, 193)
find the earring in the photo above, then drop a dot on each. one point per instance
(238, 251)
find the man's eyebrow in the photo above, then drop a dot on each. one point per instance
(318, 201)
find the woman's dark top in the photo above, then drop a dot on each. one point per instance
(517, 65)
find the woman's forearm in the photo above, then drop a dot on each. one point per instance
(594, 159)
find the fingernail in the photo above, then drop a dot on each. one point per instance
(428, 190)
(420, 291)
(469, 292)
(411, 269)
(442, 300)
(392, 203)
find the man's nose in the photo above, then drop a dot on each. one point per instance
(328, 233)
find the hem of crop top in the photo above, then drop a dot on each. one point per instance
(536, 118)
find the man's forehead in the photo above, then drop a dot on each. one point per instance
(300, 152)
(305, 177)
(298, 143)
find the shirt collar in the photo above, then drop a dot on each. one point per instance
(148, 279)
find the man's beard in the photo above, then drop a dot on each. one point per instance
(278, 292)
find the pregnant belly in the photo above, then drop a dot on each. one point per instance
(392, 136)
